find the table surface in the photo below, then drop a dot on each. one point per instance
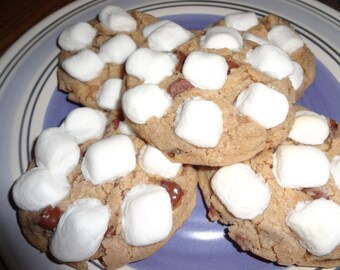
(18, 16)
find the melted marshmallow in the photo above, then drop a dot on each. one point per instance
(146, 215)
(77, 37)
(254, 38)
(316, 223)
(220, 37)
(335, 170)
(190, 116)
(241, 190)
(109, 95)
(38, 188)
(144, 101)
(205, 70)
(241, 21)
(148, 29)
(263, 104)
(297, 76)
(80, 230)
(285, 38)
(116, 19)
(153, 161)
(109, 159)
(300, 166)
(309, 128)
(124, 128)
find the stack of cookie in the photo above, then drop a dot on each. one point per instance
(166, 108)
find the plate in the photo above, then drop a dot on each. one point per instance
(30, 101)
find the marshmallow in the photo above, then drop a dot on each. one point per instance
(109, 95)
(205, 70)
(190, 116)
(84, 66)
(241, 191)
(300, 166)
(285, 38)
(309, 128)
(109, 159)
(316, 224)
(263, 104)
(84, 124)
(151, 66)
(38, 188)
(124, 128)
(80, 230)
(117, 49)
(270, 60)
(254, 38)
(77, 37)
(57, 151)
(153, 161)
(116, 19)
(148, 29)
(146, 215)
(297, 76)
(241, 21)
(220, 37)
(335, 170)
(144, 101)
(168, 36)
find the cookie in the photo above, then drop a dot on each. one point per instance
(82, 196)
(283, 204)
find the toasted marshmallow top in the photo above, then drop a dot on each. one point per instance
(241, 190)
(116, 19)
(270, 60)
(146, 215)
(335, 170)
(109, 95)
(148, 29)
(80, 230)
(168, 36)
(84, 66)
(109, 159)
(205, 70)
(263, 104)
(144, 101)
(300, 166)
(151, 66)
(220, 37)
(85, 123)
(77, 37)
(124, 128)
(297, 76)
(37, 188)
(316, 223)
(285, 38)
(190, 116)
(57, 151)
(241, 21)
(254, 38)
(309, 128)
(153, 161)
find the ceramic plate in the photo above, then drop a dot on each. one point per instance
(30, 101)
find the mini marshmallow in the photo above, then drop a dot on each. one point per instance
(153, 161)
(77, 37)
(109, 159)
(151, 66)
(241, 190)
(146, 215)
(263, 104)
(285, 38)
(270, 60)
(220, 37)
(316, 224)
(297, 76)
(109, 95)
(116, 19)
(168, 36)
(117, 49)
(124, 128)
(148, 29)
(309, 128)
(144, 101)
(57, 151)
(190, 116)
(254, 38)
(85, 123)
(84, 66)
(241, 21)
(38, 188)
(300, 166)
(205, 70)
(80, 230)
(335, 170)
